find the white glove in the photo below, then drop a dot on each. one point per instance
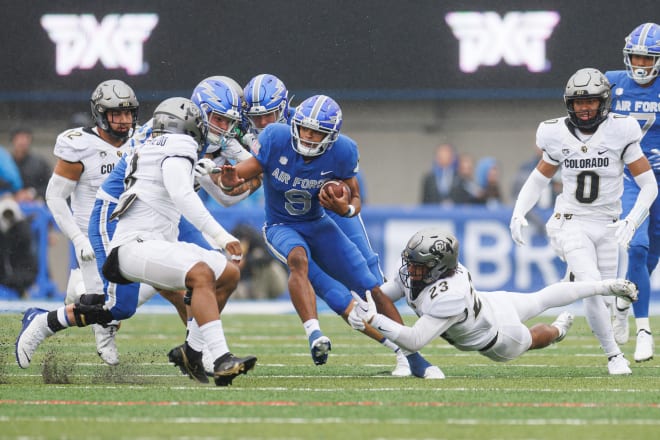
(516, 226)
(625, 229)
(84, 250)
(363, 311)
(204, 167)
(248, 140)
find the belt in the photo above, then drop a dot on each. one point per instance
(490, 344)
(566, 216)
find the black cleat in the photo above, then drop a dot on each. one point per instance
(228, 366)
(189, 362)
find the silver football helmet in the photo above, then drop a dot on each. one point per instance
(181, 115)
(588, 83)
(113, 95)
(429, 255)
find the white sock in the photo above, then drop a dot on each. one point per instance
(310, 326)
(214, 336)
(195, 338)
(643, 324)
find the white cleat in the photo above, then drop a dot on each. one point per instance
(622, 288)
(35, 330)
(620, 323)
(618, 365)
(106, 346)
(563, 322)
(433, 372)
(402, 368)
(644, 347)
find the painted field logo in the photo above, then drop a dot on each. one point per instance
(518, 38)
(81, 41)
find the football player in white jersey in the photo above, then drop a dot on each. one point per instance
(159, 188)
(85, 157)
(591, 147)
(439, 289)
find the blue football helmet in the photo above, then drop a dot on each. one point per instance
(266, 94)
(320, 113)
(215, 95)
(643, 40)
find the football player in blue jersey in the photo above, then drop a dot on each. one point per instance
(267, 101)
(296, 160)
(635, 92)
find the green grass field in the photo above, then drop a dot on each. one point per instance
(561, 392)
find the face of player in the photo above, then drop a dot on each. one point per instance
(219, 123)
(586, 108)
(261, 121)
(417, 272)
(120, 121)
(309, 137)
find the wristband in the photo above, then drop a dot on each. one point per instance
(350, 212)
(223, 187)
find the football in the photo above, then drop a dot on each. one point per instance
(335, 187)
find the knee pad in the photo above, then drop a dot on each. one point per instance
(91, 299)
(86, 314)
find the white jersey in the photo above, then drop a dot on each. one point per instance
(591, 170)
(153, 214)
(451, 297)
(98, 159)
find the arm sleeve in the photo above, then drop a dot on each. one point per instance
(530, 193)
(214, 191)
(647, 194)
(416, 337)
(393, 289)
(176, 177)
(58, 190)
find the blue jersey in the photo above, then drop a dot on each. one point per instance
(642, 103)
(292, 184)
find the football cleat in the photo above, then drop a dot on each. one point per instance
(644, 347)
(433, 372)
(622, 288)
(563, 322)
(34, 331)
(319, 347)
(189, 362)
(402, 368)
(618, 365)
(106, 346)
(228, 366)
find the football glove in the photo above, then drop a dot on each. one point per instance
(516, 226)
(363, 311)
(84, 250)
(203, 167)
(624, 231)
